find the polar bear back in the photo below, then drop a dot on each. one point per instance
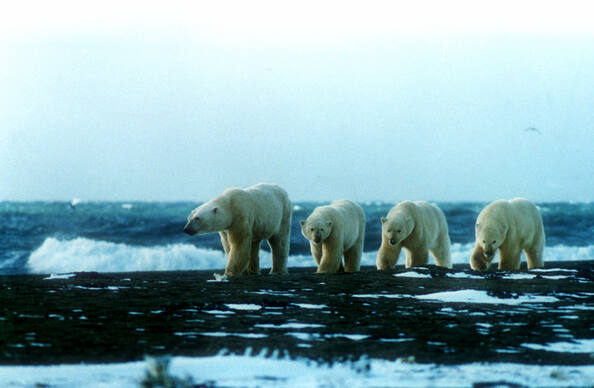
(429, 221)
(522, 218)
(351, 218)
(263, 207)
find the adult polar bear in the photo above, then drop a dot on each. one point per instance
(333, 231)
(512, 227)
(243, 218)
(418, 226)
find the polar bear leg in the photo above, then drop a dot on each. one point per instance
(225, 242)
(478, 261)
(441, 258)
(387, 256)
(331, 258)
(280, 243)
(316, 252)
(279, 247)
(239, 257)
(441, 253)
(254, 264)
(417, 258)
(509, 259)
(352, 258)
(534, 255)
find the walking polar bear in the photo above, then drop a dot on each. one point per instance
(419, 227)
(512, 227)
(243, 218)
(333, 231)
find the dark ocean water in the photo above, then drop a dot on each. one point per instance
(44, 237)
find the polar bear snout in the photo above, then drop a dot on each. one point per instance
(489, 251)
(318, 238)
(188, 229)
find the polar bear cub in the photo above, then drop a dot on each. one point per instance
(512, 227)
(243, 218)
(333, 231)
(419, 227)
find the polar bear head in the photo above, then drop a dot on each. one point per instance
(490, 236)
(316, 229)
(395, 228)
(212, 216)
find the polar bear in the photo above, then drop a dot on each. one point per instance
(333, 231)
(243, 218)
(512, 227)
(418, 226)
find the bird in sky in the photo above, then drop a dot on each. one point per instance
(533, 129)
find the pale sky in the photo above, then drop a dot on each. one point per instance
(365, 100)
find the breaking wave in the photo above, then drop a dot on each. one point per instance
(83, 254)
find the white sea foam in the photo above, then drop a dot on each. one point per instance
(460, 254)
(518, 276)
(310, 306)
(577, 346)
(556, 277)
(244, 306)
(478, 296)
(412, 274)
(259, 371)
(553, 270)
(463, 275)
(76, 201)
(376, 296)
(83, 254)
(290, 325)
(60, 276)
(218, 312)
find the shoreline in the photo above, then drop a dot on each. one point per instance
(91, 317)
(561, 264)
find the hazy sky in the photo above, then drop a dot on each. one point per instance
(367, 101)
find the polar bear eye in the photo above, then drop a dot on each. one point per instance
(398, 231)
(311, 230)
(484, 242)
(494, 241)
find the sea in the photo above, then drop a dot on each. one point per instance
(74, 236)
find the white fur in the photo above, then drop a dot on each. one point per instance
(243, 218)
(333, 231)
(419, 227)
(511, 227)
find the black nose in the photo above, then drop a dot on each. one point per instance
(188, 230)
(317, 239)
(392, 241)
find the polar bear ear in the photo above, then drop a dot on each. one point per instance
(383, 219)
(302, 222)
(214, 210)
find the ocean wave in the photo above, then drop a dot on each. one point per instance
(83, 254)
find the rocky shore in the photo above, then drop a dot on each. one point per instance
(427, 315)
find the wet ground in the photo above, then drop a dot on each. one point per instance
(428, 315)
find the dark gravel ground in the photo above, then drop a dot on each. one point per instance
(116, 317)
